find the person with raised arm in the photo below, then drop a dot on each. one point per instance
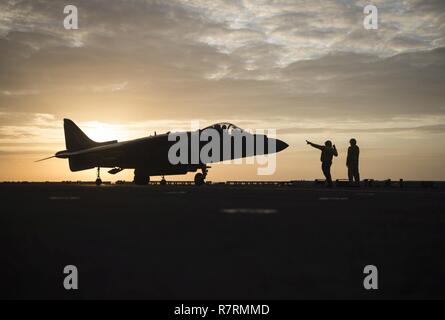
(328, 151)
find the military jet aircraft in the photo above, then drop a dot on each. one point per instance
(152, 155)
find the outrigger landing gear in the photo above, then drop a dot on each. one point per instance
(98, 179)
(200, 177)
(163, 182)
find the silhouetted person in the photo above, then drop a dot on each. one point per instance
(328, 151)
(352, 161)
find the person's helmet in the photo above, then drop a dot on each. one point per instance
(353, 142)
(328, 143)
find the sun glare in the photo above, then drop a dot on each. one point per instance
(101, 132)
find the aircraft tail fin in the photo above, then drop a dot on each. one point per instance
(76, 139)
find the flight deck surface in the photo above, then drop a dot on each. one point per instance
(220, 241)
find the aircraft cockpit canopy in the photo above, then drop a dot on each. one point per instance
(225, 126)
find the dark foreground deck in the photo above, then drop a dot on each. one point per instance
(220, 241)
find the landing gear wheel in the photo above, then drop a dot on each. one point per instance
(163, 182)
(199, 179)
(98, 179)
(141, 180)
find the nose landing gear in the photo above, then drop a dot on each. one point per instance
(200, 177)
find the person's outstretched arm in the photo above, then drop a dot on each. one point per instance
(335, 151)
(314, 145)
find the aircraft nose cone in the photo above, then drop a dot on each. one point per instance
(281, 145)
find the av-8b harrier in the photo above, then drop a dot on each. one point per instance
(164, 154)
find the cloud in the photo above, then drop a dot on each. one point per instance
(25, 92)
(221, 59)
(435, 129)
(113, 87)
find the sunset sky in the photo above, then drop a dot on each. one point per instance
(308, 69)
